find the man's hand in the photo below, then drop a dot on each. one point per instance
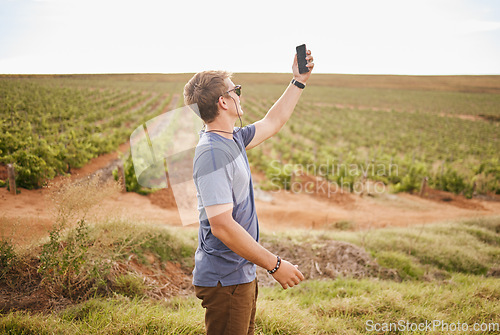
(295, 68)
(288, 275)
(283, 108)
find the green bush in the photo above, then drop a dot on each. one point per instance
(30, 169)
(412, 180)
(66, 266)
(131, 183)
(451, 181)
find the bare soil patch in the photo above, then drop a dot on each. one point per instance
(453, 199)
(163, 198)
(327, 260)
(25, 293)
(162, 279)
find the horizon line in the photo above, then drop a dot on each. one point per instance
(234, 72)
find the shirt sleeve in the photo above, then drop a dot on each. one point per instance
(247, 133)
(213, 174)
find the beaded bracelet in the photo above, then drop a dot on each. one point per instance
(278, 263)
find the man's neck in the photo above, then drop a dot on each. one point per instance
(225, 125)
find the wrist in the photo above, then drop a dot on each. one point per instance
(277, 266)
(298, 83)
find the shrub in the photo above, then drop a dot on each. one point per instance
(67, 266)
(131, 183)
(451, 181)
(412, 180)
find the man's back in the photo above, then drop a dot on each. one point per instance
(222, 175)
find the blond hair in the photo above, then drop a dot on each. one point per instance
(204, 89)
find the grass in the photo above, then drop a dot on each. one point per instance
(118, 315)
(343, 306)
(442, 268)
(469, 246)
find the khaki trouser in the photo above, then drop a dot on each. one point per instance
(230, 310)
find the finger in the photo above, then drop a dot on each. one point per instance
(310, 65)
(300, 275)
(285, 286)
(309, 58)
(308, 52)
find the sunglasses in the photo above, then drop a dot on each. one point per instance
(236, 89)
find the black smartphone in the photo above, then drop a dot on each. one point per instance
(301, 58)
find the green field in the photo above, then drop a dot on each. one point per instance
(50, 125)
(422, 133)
(443, 128)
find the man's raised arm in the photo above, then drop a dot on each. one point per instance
(281, 111)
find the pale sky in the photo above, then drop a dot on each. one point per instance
(347, 36)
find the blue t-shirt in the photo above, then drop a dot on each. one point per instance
(221, 175)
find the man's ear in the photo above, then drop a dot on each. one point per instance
(222, 102)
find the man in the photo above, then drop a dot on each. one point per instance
(228, 250)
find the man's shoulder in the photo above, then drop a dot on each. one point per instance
(213, 149)
(213, 156)
(206, 153)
